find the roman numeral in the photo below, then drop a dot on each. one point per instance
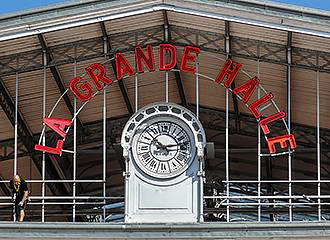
(154, 130)
(146, 138)
(164, 128)
(184, 147)
(146, 156)
(181, 138)
(153, 164)
(144, 148)
(181, 157)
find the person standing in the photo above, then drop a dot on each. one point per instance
(20, 194)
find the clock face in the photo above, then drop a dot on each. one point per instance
(164, 148)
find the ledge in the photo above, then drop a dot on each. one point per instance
(283, 230)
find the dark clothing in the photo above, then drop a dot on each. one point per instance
(18, 192)
(19, 208)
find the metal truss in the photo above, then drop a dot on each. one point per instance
(180, 36)
(58, 80)
(234, 123)
(212, 119)
(109, 52)
(168, 38)
(25, 136)
(228, 49)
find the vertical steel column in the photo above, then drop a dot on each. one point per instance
(44, 137)
(200, 160)
(259, 146)
(166, 37)
(227, 152)
(16, 113)
(105, 133)
(289, 61)
(104, 148)
(318, 140)
(74, 160)
(16, 126)
(166, 86)
(227, 49)
(136, 92)
(74, 144)
(197, 86)
(136, 84)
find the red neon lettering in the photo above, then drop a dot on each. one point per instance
(282, 140)
(227, 71)
(57, 150)
(58, 125)
(96, 78)
(123, 66)
(272, 118)
(186, 57)
(254, 106)
(140, 57)
(84, 87)
(247, 89)
(162, 49)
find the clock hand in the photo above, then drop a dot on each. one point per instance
(160, 145)
(180, 144)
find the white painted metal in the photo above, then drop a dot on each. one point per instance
(166, 86)
(259, 148)
(103, 16)
(227, 154)
(16, 113)
(289, 58)
(105, 136)
(104, 149)
(15, 147)
(136, 92)
(74, 149)
(163, 197)
(197, 86)
(318, 143)
(43, 171)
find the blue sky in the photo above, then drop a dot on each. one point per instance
(9, 6)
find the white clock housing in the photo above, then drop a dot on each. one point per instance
(163, 145)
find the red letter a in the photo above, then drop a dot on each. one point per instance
(140, 56)
(247, 89)
(58, 125)
(227, 71)
(122, 66)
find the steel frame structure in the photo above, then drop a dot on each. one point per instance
(224, 122)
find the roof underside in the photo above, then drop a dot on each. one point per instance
(74, 38)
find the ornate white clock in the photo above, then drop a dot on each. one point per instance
(163, 145)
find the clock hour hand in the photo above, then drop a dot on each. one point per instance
(180, 144)
(160, 145)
